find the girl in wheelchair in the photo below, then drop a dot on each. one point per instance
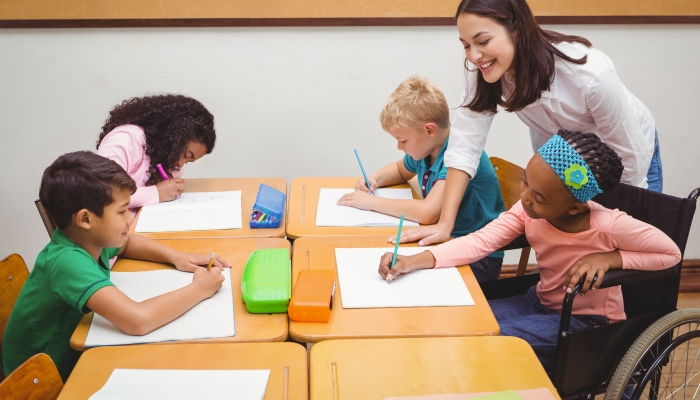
(574, 239)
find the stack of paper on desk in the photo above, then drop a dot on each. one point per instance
(361, 286)
(210, 318)
(198, 211)
(329, 213)
(153, 384)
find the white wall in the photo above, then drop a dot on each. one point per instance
(290, 101)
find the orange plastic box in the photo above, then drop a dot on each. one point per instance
(312, 297)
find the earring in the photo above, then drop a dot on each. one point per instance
(571, 212)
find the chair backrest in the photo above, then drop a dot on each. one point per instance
(509, 176)
(37, 378)
(45, 218)
(13, 273)
(673, 216)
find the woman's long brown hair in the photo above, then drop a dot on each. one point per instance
(534, 57)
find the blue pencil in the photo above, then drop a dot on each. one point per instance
(396, 246)
(363, 171)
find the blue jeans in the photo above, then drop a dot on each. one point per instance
(487, 269)
(655, 176)
(524, 317)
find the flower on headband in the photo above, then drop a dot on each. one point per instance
(576, 176)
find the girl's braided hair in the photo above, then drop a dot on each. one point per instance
(604, 163)
(170, 122)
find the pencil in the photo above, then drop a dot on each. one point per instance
(363, 171)
(211, 260)
(396, 246)
(162, 172)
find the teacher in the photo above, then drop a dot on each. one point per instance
(551, 81)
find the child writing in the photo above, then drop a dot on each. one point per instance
(87, 196)
(417, 116)
(169, 130)
(572, 237)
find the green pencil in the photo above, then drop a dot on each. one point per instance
(396, 246)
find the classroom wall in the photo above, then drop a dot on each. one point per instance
(291, 101)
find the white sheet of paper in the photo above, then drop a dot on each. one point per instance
(361, 286)
(329, 213)
(197, 211)
(154, 384)
(210, 318)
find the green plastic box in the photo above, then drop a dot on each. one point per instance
(266, 286)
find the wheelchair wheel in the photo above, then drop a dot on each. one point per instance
(663, 363)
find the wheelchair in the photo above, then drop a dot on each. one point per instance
(655, 353)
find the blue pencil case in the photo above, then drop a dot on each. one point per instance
(268, 209)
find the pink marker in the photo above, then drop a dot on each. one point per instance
(162, 172)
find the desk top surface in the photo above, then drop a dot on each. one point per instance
(303, 203)
(96, 365)
(319, 253)
(249, 327)
(423, 366)
(249, 190)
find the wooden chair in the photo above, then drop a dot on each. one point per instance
(37, 378)
(509, 176)
(13, 274)
(45, 217)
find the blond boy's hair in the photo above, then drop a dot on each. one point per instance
(417, 100)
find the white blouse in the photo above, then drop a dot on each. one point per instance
(587, 98)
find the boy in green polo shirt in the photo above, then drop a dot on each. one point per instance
(417, 116)
(87, 196)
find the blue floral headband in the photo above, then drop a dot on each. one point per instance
(570, 167)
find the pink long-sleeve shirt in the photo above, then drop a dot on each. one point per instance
(641, 246)
(126, 145)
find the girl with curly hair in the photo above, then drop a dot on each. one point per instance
(143, 132)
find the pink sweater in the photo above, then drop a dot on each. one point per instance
(126, 146)
(641, 246)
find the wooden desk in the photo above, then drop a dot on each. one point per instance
(249, 327)
(373, 369)
(303, 203)
(95, 365)
(370, 323)
(249, 189)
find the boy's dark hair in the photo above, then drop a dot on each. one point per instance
(604, 163)
(170, 122)
(81, 180)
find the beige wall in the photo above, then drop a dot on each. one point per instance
(291, 101)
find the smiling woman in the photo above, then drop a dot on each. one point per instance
(551, 81)
(143, 132)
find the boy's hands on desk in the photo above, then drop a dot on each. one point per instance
(193, 262)
(170, 190)
(361, 185)
(404, 264)
(596, 264)
(208, 282)
(357, 199)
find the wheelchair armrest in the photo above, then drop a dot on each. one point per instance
(625, 276)
(611, 278)
(518, 243)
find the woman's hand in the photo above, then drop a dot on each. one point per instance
(170, 190)
(596, 264)
(192, 262)
(404, 264)
(426, 235)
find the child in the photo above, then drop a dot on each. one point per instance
(572, 237)
(87, 196)
(417, 116)
(143, 132)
